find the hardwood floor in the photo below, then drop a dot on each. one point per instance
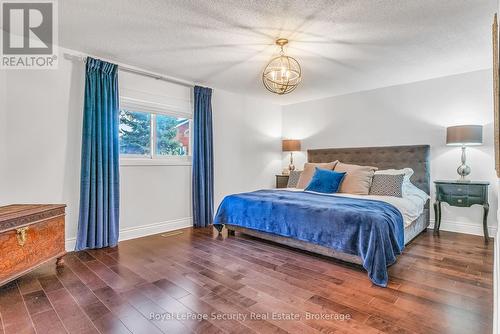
(181, 283)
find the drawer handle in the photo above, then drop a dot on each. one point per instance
(21, 235)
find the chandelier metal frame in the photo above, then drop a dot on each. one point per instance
(290, 70)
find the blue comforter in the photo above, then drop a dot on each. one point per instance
(372, 230)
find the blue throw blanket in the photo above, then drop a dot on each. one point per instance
(373, 230)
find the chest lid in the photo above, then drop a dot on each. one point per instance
(17, 215)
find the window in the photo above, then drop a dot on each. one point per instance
(172, 135)
(135, 133)
(154, 135)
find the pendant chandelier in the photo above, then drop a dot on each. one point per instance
(282, 74)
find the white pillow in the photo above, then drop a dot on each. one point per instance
(408, 172)
(409, 189)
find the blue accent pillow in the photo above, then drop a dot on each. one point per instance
(325, 181)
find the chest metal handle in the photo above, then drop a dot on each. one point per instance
(21, 235)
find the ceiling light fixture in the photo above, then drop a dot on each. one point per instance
(282, 74)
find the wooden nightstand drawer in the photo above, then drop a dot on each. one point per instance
(449, 189)
(476, 191)
(444, 191)
(458, 200)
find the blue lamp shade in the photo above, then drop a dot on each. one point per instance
(325, 181)
(464, 135)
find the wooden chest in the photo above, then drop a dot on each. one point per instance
(30, 235)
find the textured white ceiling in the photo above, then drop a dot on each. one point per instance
(343, 46)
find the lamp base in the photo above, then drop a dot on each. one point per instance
(291, 166)
(463, 170)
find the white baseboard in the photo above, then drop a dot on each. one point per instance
(475, 228)
(128, 233)
(70, 244)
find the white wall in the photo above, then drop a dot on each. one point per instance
(416, 113)
(43, 136)
(247, 143)
(154, 198)
(41, 124)
(3, 127)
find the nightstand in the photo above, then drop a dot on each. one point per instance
(281, 180)
(462, 194)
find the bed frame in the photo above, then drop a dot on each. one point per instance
(386, 157)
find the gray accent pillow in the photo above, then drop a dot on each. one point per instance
(387, 185)
(293, 179)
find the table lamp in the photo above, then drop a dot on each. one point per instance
(290, 145)
(464, 135)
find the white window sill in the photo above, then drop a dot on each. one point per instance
(184, 161)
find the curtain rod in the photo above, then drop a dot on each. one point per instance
(135, 71)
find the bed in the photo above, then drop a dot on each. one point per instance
(397, 157)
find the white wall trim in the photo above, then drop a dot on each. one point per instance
(143, 230)
(475, 228)
(157, 161)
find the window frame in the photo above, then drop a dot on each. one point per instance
(154, 109)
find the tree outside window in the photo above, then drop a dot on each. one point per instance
(171, 135)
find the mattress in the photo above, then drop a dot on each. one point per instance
(411, 232)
